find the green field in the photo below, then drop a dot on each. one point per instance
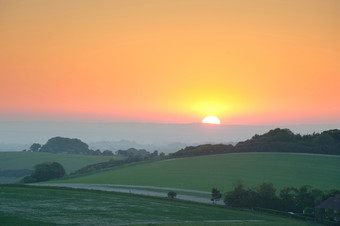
(222, 171)
(26, 160)
(52, 206)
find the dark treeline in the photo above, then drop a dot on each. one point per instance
(64, 145)
(277, 140)
(131, 156)
(289, 199)
(108, 164)
(76, 146)
(141, 153)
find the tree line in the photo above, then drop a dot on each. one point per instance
(76, 146)
(266, 196)
(105, 165)
(277, 140)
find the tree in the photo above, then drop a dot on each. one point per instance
(238, 197)
(107, 153)
(45, 171)
(304, 198)
(35, 147)
(172, 194)
(215, 195)
(288, 199)
(154, 154)
(65, 145)
(267, 195)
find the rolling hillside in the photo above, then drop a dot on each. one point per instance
(26, 160)
(222, 171)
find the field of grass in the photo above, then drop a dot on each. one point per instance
(222, 171)
(26, 160)
(52, 206)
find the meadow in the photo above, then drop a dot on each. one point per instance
(26, 160)
(223, 171)
(23, 205)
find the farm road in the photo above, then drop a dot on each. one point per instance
(142, 190)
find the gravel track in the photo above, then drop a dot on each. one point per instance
(139, 190)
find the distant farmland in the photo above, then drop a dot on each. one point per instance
(222, 171)
(26, 160)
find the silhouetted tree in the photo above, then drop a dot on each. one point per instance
(154, 154)
(238, 197)
(35, 147)
(107, 153)
(172, 194)
(288, 199)
(267, 196)
(65, 145)
(304, 198)
(215, 195)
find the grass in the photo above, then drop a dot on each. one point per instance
(26, 160)
(222, 171)
(52, 206)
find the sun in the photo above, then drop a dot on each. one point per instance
(211, 120)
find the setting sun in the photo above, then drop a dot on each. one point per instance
(211, 120)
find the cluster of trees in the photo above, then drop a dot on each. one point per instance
(66, 145)
(108, 164)
(63, 145)
(289, 199)
(131, 155)
(76, 146)
(277, 140)
(45, 171)
(283, 140)
(141, 153)
(205, 149)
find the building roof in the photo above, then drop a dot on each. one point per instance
(330, 203)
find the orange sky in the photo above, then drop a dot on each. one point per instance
(247, 61)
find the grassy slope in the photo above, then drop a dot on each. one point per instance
(26, 160)
(42, 206)
(222, 171)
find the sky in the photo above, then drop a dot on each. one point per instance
(170, 61)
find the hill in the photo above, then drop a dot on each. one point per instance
(223, 171)
(14, 165)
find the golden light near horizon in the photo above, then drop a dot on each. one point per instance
(211, 120)
(252, 61)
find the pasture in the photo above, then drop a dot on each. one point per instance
(52, 206)
(26, 160)
(223, 171)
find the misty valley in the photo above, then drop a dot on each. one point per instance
(277, 178)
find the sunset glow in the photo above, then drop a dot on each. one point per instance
(211, 120)
(170, 61)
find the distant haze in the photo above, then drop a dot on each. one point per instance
(15, 136)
